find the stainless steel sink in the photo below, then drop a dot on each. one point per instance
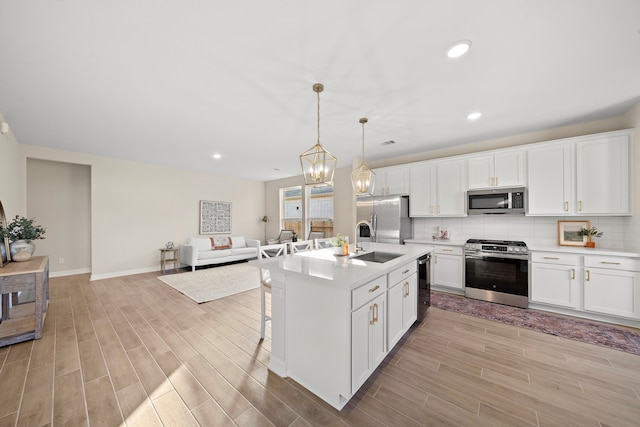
(376, 256)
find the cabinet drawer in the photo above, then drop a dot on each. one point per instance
(401, 273)
(361, 295)
(555, 258)
(612, 263)
(448, 250)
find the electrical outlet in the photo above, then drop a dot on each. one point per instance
(60, 260)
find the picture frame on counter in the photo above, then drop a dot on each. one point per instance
(569, 233)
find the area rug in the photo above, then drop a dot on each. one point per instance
(619, 338)
(214, 283)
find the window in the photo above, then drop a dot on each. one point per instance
(291, 215)
(320, 217)
(319, 210)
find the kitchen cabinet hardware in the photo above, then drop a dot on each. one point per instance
(610, 262)
(588, 275)
(551, 257)
(375, 288)
(573, 273)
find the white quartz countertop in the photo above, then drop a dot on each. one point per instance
(346, 271)
(584, 251)
(430, 241)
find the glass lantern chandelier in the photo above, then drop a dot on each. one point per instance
(363, 178)
(318, 165)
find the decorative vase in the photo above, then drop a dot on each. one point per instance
(21, 255)
(590, 244)
(15, 246)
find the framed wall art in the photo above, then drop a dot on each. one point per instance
(5, 256)
(215, 217)
(569, 233)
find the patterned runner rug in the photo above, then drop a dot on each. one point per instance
(619, 338)
(216, 282)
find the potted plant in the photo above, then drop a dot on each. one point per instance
(341, 245)
(590, 232)
(21, 231)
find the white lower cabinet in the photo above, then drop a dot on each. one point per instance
(402, 301)
(448, 267)
(554, 279)
(614, 290)
(368, 344)
(602, 285)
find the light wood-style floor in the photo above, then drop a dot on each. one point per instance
(133, 351)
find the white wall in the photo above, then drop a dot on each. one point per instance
(12, 190)
(136, 208)
(59, 195)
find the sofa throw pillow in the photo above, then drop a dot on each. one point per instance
(221, 242)
(200, 243)
(239, 242)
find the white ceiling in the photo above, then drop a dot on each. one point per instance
(172, 82)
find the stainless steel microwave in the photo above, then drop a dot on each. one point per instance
(497, 201)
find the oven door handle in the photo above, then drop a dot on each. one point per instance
(501, 256)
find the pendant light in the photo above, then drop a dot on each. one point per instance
(362, 178)
(318, 165)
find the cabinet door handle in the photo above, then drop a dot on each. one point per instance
(550, 257)
(447, 250)
(491, 182)
(588, 275)
(373, 314)
(436, 259)
(375, 288)
(580, 206)
(438, 209)
(610, 262)
(496, 181)
(573, 273)
(406, 289)
(566, 206)
(405, 271)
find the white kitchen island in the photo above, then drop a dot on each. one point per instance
(334, 319)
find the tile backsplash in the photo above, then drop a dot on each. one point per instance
(618, 232)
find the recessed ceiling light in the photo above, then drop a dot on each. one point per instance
(474, 116)
(458, 49)
(217, 156)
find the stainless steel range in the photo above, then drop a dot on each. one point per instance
(497, 271)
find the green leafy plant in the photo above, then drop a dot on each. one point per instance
(339, 240)
(590, 232)
(22, 228)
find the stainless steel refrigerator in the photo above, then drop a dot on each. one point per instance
(388, 216)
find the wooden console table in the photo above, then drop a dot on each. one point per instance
(174, 257)
(31, 275)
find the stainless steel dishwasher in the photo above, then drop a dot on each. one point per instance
(424, 285)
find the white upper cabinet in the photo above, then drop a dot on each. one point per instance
(550, 180)
(602, 167)
(391, 180)
(423, 184)
(582, 176)
(438, 189)
(496, 170)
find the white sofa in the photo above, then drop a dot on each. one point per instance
(217, 250)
